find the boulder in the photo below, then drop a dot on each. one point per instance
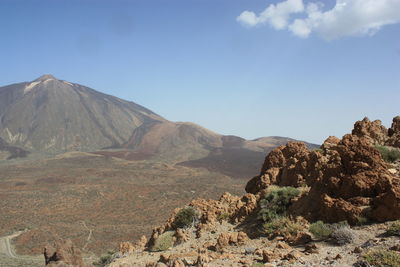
(62, 254)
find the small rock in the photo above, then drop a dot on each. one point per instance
(338, 256)
(357, 250)
(249, 251)
(293, 255)
(282, 245)
(310, 248)
(164, 258)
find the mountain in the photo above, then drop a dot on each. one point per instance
(54, 116)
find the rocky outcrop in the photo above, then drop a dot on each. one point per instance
(374, 131)
(231, 239)
(63, 254)
(228, 207)
(348, 178)
(394, 133)
(377, 134)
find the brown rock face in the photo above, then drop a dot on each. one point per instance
(372, 130)
(126, 248)
(228, 207)
(394, 133)
(348, 178)
(284, 166)
(231, 239)
(63, 254)
(377, 134)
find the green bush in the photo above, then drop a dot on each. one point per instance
(389, 154)
(320, 230)
(282, 226)
(164, 241)
(394, 229)
(383, 258)
(184, 218)
(276, 202)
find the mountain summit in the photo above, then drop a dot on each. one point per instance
(54, 116)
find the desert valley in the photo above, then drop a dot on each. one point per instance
(212, 133)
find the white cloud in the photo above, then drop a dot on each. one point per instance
(346, 18)
(276, 15)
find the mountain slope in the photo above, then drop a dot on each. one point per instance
(55, 116)
(52, 115)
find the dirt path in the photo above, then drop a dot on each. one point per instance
(89, 236)
(5, 244)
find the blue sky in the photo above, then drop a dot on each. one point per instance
(205, 62)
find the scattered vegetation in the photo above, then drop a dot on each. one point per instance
(104, 260)
(383, 258)
(184, 218)
(393, 229)
(340, 233)
(282, 226)
(320, 150)
(276, 202)
(362, 220)
(321, 230)
(223, 217)
(343, 235)
(164, 241)
(389, 154)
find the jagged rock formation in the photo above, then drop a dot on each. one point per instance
(63, 254)
(348, 177)
(377, 134)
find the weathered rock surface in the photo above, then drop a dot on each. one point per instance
(63, 254)
(377, 134)
(348, 177)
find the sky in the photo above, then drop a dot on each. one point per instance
(252, 68)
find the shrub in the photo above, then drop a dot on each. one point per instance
(276, 202)
(362, 220)
(383, 258)
(104, 260)
(223, 217)
(343, 235)
(282, 226)
(164, 241)
(389, 154)
(394, 229)
(321, 230)
(184, 218)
